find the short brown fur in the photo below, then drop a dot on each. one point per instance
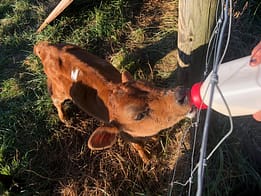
(131, 107)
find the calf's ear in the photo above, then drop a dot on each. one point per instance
(103, 137)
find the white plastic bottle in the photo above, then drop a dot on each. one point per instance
(240, 85)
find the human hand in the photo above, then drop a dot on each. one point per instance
(254, 61)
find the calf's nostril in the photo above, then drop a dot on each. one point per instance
(180, 92)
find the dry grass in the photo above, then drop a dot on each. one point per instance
(73, 169)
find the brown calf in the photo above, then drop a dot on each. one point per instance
(128, 107)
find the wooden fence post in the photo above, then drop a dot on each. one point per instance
(195, 24)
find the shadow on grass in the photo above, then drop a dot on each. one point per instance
(146, 58)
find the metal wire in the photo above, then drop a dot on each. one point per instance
(190, 180)
(214, 48)
(175, 167)
(213, 83)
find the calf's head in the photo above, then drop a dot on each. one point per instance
(139, 110)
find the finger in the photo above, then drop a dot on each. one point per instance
(256, 55)
(257, 116)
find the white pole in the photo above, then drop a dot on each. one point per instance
(56, 12)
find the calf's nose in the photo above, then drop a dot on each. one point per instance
(181, 94)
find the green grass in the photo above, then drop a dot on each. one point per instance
(48, 158)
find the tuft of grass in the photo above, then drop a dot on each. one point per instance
(10, 89)
(102, 22)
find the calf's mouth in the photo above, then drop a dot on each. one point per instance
(181, 94)
(182, 97)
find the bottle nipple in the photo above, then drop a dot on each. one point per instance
(195, 97)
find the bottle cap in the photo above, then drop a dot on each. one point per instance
(195, 96)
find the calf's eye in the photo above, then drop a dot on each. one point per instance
(141, 115)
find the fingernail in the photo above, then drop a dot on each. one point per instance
(252, 60)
